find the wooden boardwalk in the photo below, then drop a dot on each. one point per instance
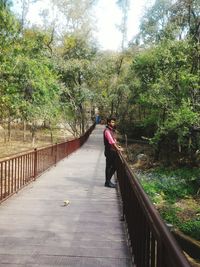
(38, 229)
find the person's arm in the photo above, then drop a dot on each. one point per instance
(116, 147)
(112, 141)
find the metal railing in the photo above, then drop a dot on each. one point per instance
(152, 244)
(19, 170)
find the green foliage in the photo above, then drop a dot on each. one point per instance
(77, 47)
(188, 227)
(170, 215)
(41, 80)
(152, 87)
(76, 74)
(29, 83)
(191, 228)
(154, 21)
(171, 185)
(163, 81)
(169, 20)
(179, 121)
(167, 187)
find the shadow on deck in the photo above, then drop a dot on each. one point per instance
(38, 229)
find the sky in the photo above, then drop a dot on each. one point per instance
(108, 16)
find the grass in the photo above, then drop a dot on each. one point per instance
(173, 191)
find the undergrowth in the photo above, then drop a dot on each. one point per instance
(169, 190)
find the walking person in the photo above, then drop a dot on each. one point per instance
(111, 149)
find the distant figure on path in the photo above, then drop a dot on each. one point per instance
(97, 119)
(111, 149)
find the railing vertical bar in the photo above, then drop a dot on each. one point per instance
(29, 166)
(18, 173)
(26, 179)
(159, 254)
(5, 183)
(21, 170)
(147, 247)
(26, 169)
(1, 165)
(32, 165)
(12, 176)
(35, 163)
(9, 177)
(17, 167)
(15, 173)
(152, 250)
(15, 180)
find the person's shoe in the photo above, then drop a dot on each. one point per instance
(110, 184)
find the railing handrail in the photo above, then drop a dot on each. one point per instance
(154, 220)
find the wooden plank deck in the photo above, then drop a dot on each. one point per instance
(38, 229)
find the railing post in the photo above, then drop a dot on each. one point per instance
(56, 152)
(1, 181)
(35, 163)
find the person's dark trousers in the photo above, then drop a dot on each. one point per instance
(110, 165)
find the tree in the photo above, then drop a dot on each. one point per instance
(75, 71)
(184, 17)
(25, 7)
(154, 22)
(172, 20)
(124, 6)
(37, 79)
(77, 17)
(9, 98)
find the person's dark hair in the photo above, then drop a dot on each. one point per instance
(110, 119)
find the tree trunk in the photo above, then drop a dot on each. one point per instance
(157, 151)
(112, 109)
(164, 115)
(144, 112)
(139, 112)
(33, 132)
(82, 126)
(51, 133)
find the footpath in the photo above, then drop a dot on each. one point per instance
(66, 217)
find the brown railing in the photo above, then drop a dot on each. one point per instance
(19, 170)
(152, 244)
